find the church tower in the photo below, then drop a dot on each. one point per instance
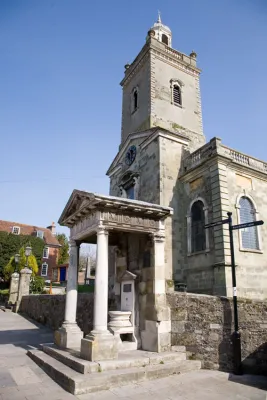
(161, 89)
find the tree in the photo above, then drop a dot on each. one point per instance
(11, 244)
(87, 255)
(11, 265)
(63, 256)
(37, 285)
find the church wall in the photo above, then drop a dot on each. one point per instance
(195, 270)
(197, 267)
(139, 119)
(251, 271)
(166, 114)
(147, 165)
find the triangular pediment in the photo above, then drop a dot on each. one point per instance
(133, 137)
(127, 276)
(77, 202)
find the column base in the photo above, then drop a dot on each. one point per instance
(69, 336)
(157, 336)
(99, 346)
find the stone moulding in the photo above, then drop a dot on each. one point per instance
(86, 212)
(215, 148)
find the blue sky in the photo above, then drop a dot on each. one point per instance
(60, 99)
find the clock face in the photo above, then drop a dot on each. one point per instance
(130, 155)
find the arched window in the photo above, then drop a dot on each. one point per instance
(247, 213)
(177, 98)
(135, 100)
(164, 39)
(198, 234)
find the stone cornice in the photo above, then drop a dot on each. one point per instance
(230, 157)
(148, 136)
(176, 137)
(137, 135)
(153, 46)
(83, 205)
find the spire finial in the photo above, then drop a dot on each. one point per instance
(159, 18)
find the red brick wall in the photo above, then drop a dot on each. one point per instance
(51, 261)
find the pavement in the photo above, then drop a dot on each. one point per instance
(22, 379)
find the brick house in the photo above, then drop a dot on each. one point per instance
(51, 249)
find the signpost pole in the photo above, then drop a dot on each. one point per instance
(236, 334)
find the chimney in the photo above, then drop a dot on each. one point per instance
(52, 228)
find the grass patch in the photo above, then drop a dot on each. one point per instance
(85, 289)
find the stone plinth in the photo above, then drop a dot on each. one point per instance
(99, 346)
(14, 288)
(24, 285)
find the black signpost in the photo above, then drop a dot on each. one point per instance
(236, 334)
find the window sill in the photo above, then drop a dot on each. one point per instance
(177, 105)
(198, 252)
(135, 111)
(251, 251)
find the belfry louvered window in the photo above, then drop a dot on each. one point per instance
(249, 236)
(177, 95)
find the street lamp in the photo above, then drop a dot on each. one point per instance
(28, 252)
(17, 258)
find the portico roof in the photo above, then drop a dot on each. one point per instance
(82, 203)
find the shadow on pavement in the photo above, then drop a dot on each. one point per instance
(25, 338)
(256, 381)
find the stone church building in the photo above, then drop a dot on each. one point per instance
(166, 183)
(165, 159)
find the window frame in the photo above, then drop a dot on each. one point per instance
(176, 82)
(38, 233)
(46, 248)
(237, 206)
(189, 227)
(129, 181)
(16, 227)
(46, 265)
(134, 91)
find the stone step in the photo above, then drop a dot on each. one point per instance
(77, 383)
(127, 359)
(180, 349)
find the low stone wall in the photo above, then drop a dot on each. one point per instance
(204, 325)
(49, 310)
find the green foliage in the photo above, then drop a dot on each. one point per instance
(37, 285)
(11, 244)
(63, 256)
(85, 288)
(11, 265)
(4, 294)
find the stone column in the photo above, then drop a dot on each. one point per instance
(157, 334)
(100, 344)
(24, 285)
(70, 335)
(14, 288)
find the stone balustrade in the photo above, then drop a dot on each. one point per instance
(213, 148)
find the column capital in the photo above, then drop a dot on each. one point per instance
(102, 230)
(158, 236)
(72, 243)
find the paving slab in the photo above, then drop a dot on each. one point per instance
(22, 379)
